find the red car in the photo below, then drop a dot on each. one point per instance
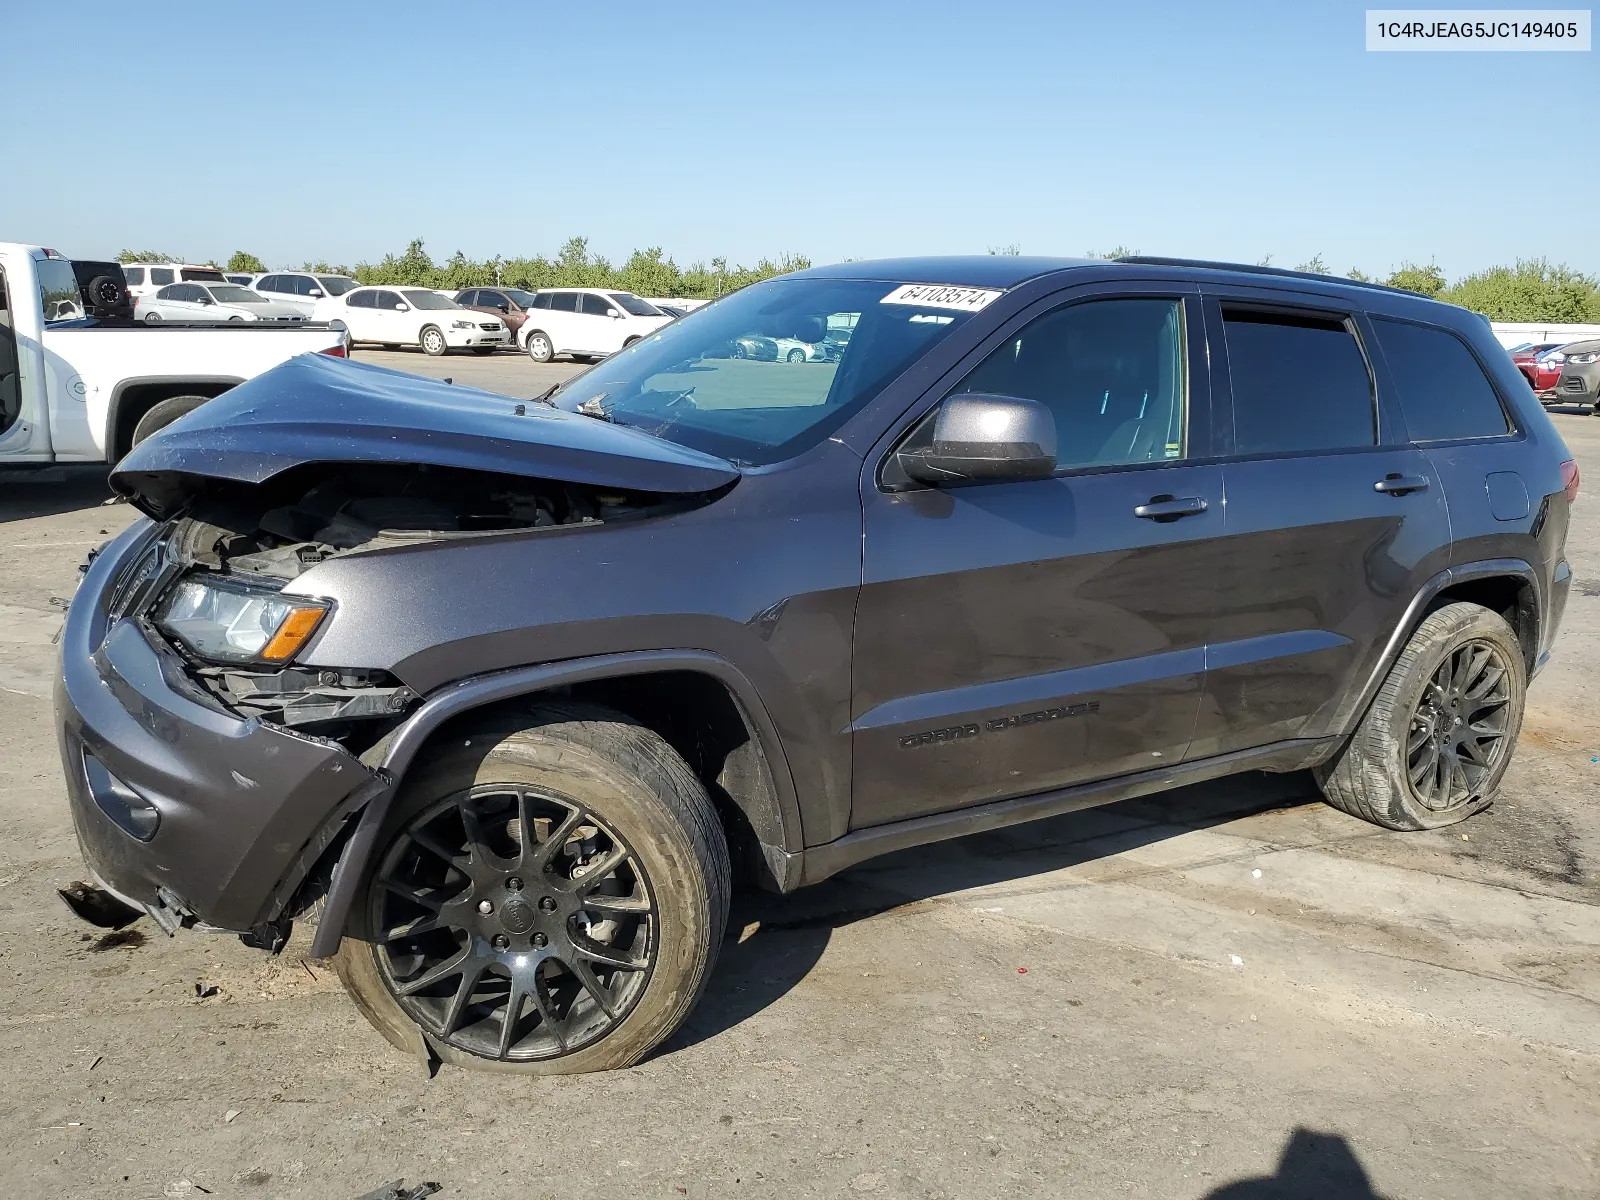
(1524, 358)
(1543, 371)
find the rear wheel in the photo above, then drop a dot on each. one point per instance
(433, 343)
(164, 413)
(1438, 738)
(550, 899)
(540, 348)
(152, 318)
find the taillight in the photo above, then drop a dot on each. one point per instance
(1569, 478)
(336, 351)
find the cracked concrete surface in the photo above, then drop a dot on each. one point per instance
(1160, 998)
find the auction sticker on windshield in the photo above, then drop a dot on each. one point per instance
(941, 295)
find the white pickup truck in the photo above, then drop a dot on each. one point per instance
(75, 388)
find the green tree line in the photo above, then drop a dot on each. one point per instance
(1533, 289)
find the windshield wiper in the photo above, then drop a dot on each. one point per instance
(593, 408)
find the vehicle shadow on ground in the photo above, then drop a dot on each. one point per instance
(1313, 1166)
(54, 492)
(773, 942)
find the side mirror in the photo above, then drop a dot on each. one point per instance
(402, 307)
(983, 438)
(611, 312)
(315, 293)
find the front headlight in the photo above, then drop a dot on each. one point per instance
(463, 325)
(232, 622)
(1583, 359)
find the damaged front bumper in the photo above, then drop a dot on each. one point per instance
(181, 807)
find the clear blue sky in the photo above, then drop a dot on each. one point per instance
(836, 130)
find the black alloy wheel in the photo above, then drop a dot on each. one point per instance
(512, 924)
(1459, 727)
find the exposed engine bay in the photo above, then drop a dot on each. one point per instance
(274, 532)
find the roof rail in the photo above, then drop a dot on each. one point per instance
(1153, 260)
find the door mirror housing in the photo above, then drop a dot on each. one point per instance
(611, 312)
(402, 307)
(315, 293)
(981, 438)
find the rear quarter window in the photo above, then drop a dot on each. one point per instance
(1444, 393)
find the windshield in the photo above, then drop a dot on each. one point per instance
(639, 308)
(523, 299)
(720, 379)
(336, 285)
(235, 295)
(421, 299)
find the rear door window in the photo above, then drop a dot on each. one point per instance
(564, 301)
(1300, 382)
(1444, 393)
(387, 300)
(134, 276)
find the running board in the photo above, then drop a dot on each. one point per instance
(821, 862)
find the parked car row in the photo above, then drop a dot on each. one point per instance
(1562, 373)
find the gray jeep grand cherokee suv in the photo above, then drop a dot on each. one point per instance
(500, 691)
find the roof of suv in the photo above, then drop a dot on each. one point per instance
(1008, 270)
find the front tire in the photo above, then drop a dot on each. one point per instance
(797, 356)
(602, 923)
(1438, 737)
(433, 343)
(540, 348)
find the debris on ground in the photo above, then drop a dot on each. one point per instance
(398, 1191)
(204, 991)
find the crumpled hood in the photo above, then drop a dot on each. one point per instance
(319, 409)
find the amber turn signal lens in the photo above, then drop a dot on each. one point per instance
(292, 634)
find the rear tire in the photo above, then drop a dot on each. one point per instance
(1436, 742)
(164, 413)
(433, 343)
(609, 784)
(152, 318)
(540, 348)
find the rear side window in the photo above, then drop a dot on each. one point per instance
(360, 300)
(1300, 383)
(203, 275)
(1443, 391)
(1111, 372)
(564, 302)
(542, 300)
(134, 275)
(161, 275)
(468, 299)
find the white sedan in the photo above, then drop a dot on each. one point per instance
(212, 304)
(795, 351)
(391, 316)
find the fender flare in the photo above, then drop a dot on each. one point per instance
(1358, 700)
(465, 695)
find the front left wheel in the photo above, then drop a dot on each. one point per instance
(549, 900)
(433, 343)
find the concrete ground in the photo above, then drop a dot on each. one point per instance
(1229, 991)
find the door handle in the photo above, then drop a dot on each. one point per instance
(1399, 485)
(1169, 508)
